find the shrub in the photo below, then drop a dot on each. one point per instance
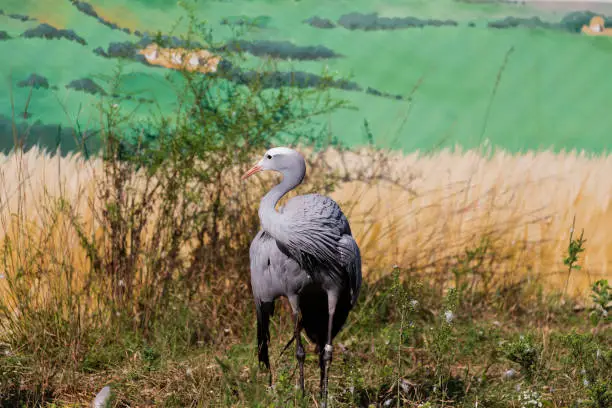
(526, 353)
(162, 235)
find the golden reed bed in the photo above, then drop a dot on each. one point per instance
(446, 202)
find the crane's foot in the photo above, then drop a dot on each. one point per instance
(265, 371)
(325, 361)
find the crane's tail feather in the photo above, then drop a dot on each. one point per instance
(264, 311)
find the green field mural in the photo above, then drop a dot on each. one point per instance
(417, 75)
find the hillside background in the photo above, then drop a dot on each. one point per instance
(420, 73)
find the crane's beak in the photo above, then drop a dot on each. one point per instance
(255, 169)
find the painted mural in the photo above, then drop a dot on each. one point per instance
(467, 142)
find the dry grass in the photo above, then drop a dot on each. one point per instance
(64, 319)
(33, 228)
(446, 202)
(524, 201)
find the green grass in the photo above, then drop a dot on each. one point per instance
(392, 351)
(553, 91)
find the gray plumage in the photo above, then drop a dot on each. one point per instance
(305, 251)
(102, 399)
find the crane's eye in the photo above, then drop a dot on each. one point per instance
(269, 156)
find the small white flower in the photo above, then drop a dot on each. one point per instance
(585, 382)
(405, 386)
(510, 373)
(121, 283)
(449, 316)
(414, 303)
(115, 105)
(529, 399)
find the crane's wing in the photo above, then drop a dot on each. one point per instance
(351, 258)
(264, 290)
(265, 284)
(314, 227)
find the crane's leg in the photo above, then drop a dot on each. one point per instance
(325, 357)
(300, 353)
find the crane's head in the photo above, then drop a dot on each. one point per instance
(281, 159)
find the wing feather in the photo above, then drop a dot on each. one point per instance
(317, 226)
(351, 258)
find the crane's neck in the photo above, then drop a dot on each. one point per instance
(271, 220)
